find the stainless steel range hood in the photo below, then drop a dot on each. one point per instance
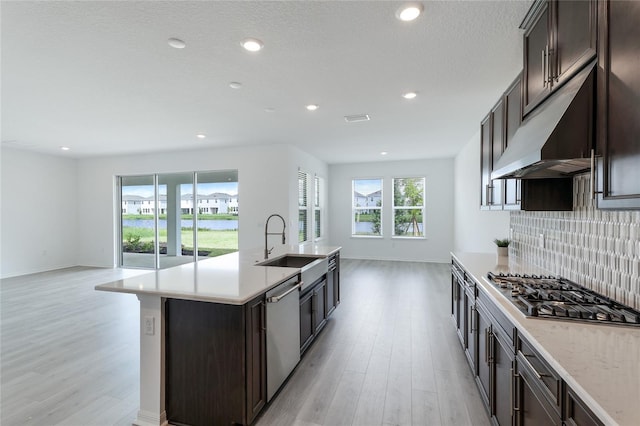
(555, 140)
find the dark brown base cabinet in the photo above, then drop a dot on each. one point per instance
(577, 413)
(333, 283)
(313, 312)
(488, 347)
(494, 361)
(318, 302)
(516, 384)
(539, 387)
(215, 362)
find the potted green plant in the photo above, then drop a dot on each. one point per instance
(503, 247)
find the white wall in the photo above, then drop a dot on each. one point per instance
(475, 229)
(266, 177)
(38, 224)
(439, 210)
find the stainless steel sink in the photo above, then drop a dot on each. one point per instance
(289, 261)
(311, 267)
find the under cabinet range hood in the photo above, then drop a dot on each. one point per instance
(555, 139)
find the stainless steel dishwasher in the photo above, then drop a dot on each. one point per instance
(283, 332)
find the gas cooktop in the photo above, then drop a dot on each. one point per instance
(558, 298)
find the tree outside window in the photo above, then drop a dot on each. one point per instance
(408, 207)
(366, 216)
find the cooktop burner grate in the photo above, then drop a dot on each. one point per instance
(558, 298)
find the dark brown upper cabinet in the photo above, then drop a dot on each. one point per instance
(559, 39)
(512, 119)
(618, 94)
(496, 132)
(490, 150)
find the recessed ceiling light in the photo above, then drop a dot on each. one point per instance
(252, 44)
(409, 12)
(176, 43)
(235, 85)
(201, 136)
(65, 148)
(269, 110)
(312, 107)
(409, 95)
(384, 153)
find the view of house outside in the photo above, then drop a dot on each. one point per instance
(367, 207)
(216, 212)
(407, 210)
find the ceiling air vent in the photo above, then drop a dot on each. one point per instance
(356, 118)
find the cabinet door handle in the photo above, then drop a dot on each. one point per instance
(511, 399)
(549, 76)
(492, 349)
(489, 194)
(486, 346)
(593, 176)
(544, 77)
(471, 320)
(514, 409)
(532, 368)
(556, 71)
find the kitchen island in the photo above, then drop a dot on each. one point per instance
(227, 291)
(591, 368)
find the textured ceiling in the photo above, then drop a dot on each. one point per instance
(100, 78)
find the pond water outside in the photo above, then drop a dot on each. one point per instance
(217, 225)
(364, 227)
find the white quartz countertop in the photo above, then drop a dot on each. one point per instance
(601, 363)
(232, 278)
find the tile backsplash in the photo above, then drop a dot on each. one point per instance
(599, 249)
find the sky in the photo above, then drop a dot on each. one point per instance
(203, 189)
(367, 186)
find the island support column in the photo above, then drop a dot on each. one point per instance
(152, 410)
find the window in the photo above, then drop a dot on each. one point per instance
(408, 207)
(203, 231)
(317, 210)
(366, 216)
(302, 206)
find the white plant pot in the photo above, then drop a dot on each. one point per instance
(503, 255)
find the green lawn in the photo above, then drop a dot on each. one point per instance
(218, 242)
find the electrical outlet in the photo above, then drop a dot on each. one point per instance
(541, 241)
(149, 326)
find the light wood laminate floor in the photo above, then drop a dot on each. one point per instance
(388, 356)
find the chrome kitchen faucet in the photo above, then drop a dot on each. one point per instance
(268, 251)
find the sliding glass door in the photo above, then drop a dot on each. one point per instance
(175, 222)
(167, 220)
(137, 221)
(217, 212)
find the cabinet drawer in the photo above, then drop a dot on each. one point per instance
(457, 271)
(545, 376)
(509, 331)
(576, 411)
